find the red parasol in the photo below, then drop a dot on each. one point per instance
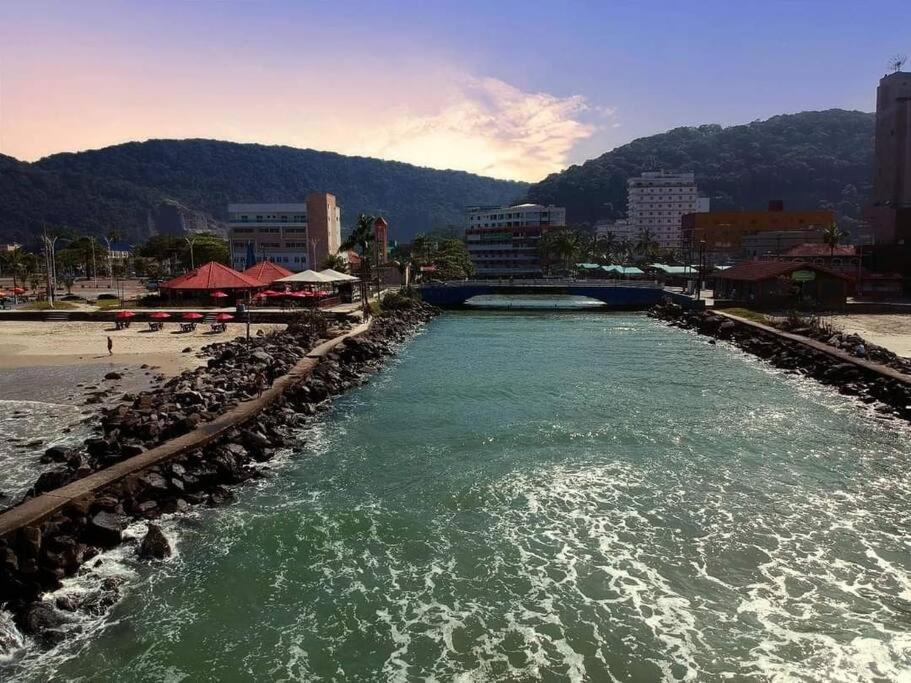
(125, 314)
(18, 290)
(160, 315)
(192, 316)
(218, 294)
(224, 317)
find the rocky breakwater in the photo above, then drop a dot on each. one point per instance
(890, 396)
(235, 371)
(37, 559)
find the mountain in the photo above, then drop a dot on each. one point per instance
(816, 159)
(166, 185)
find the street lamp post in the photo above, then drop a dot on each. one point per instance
(107, 241)
(94, 269)
(700, 279)
(190, 241)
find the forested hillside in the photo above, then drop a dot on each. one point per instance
(124, 187)
(810, 160)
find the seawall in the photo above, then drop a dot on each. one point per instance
(872, 383)
(49, 536)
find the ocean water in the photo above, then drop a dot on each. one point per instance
(527, 496)
(38, 409)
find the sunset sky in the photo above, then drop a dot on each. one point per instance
(508, 89)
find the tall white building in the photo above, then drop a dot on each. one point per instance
(297, 236)
(658, 200)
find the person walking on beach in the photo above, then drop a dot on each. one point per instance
(110, 347)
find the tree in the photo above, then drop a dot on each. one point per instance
(14, 261)
(360, 240)
(833, 236)
(564, 245)
(206, 247)
(336, 262)
(647, 246)
(602, 248)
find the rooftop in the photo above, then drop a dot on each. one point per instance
(814, 250)
(275, 208)
(754, 271)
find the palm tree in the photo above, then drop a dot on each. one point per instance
(564, 244)
(602, 247)
(360, 239)
(832, 236)
(15, 260)
(646, 245)
(336, 262)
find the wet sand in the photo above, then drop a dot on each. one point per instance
(40, 344)
(892, 331)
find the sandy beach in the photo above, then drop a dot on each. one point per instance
(892, 331)
(31, 344)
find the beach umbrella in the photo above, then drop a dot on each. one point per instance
(224, 317)
(160, 315)
(18, 290)
(192, 316)
(218, 294)
(123, 315)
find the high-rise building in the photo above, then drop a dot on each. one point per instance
(890, 213)
(503, 241)
(657, 201)
(297, 236)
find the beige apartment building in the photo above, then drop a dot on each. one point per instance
(297, 236)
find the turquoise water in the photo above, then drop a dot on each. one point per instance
(532, 496)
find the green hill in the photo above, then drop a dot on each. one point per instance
(819, 159)
(133, 186)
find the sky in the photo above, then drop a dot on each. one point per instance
(510, 89)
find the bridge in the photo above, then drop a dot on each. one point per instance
(616, 294)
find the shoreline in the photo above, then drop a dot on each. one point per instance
(49, 344)
(39, 556)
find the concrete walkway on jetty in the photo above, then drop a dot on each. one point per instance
(43, 506)
(843, 356)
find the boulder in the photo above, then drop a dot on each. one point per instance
(56, 454)
(40, 620)
(154, 544)
(113, 375)
(52, 479)
(105, 529)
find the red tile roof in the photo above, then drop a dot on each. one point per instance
(212, 276)
(266, 271)
(815, 250)
(754, 271)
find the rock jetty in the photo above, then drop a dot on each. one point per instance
(890, 396)
(36, 559)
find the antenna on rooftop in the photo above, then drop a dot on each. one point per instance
(897, 62)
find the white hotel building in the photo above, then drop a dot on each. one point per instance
(503, 241)
(297, 236)
(657, 201)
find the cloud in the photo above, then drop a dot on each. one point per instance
(489, 127)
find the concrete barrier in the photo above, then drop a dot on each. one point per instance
(41, 507)
(828, 349)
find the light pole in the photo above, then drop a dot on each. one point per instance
(190, 242)
(107, 241)
(701, 270)
(94, 269)
(50, 264)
